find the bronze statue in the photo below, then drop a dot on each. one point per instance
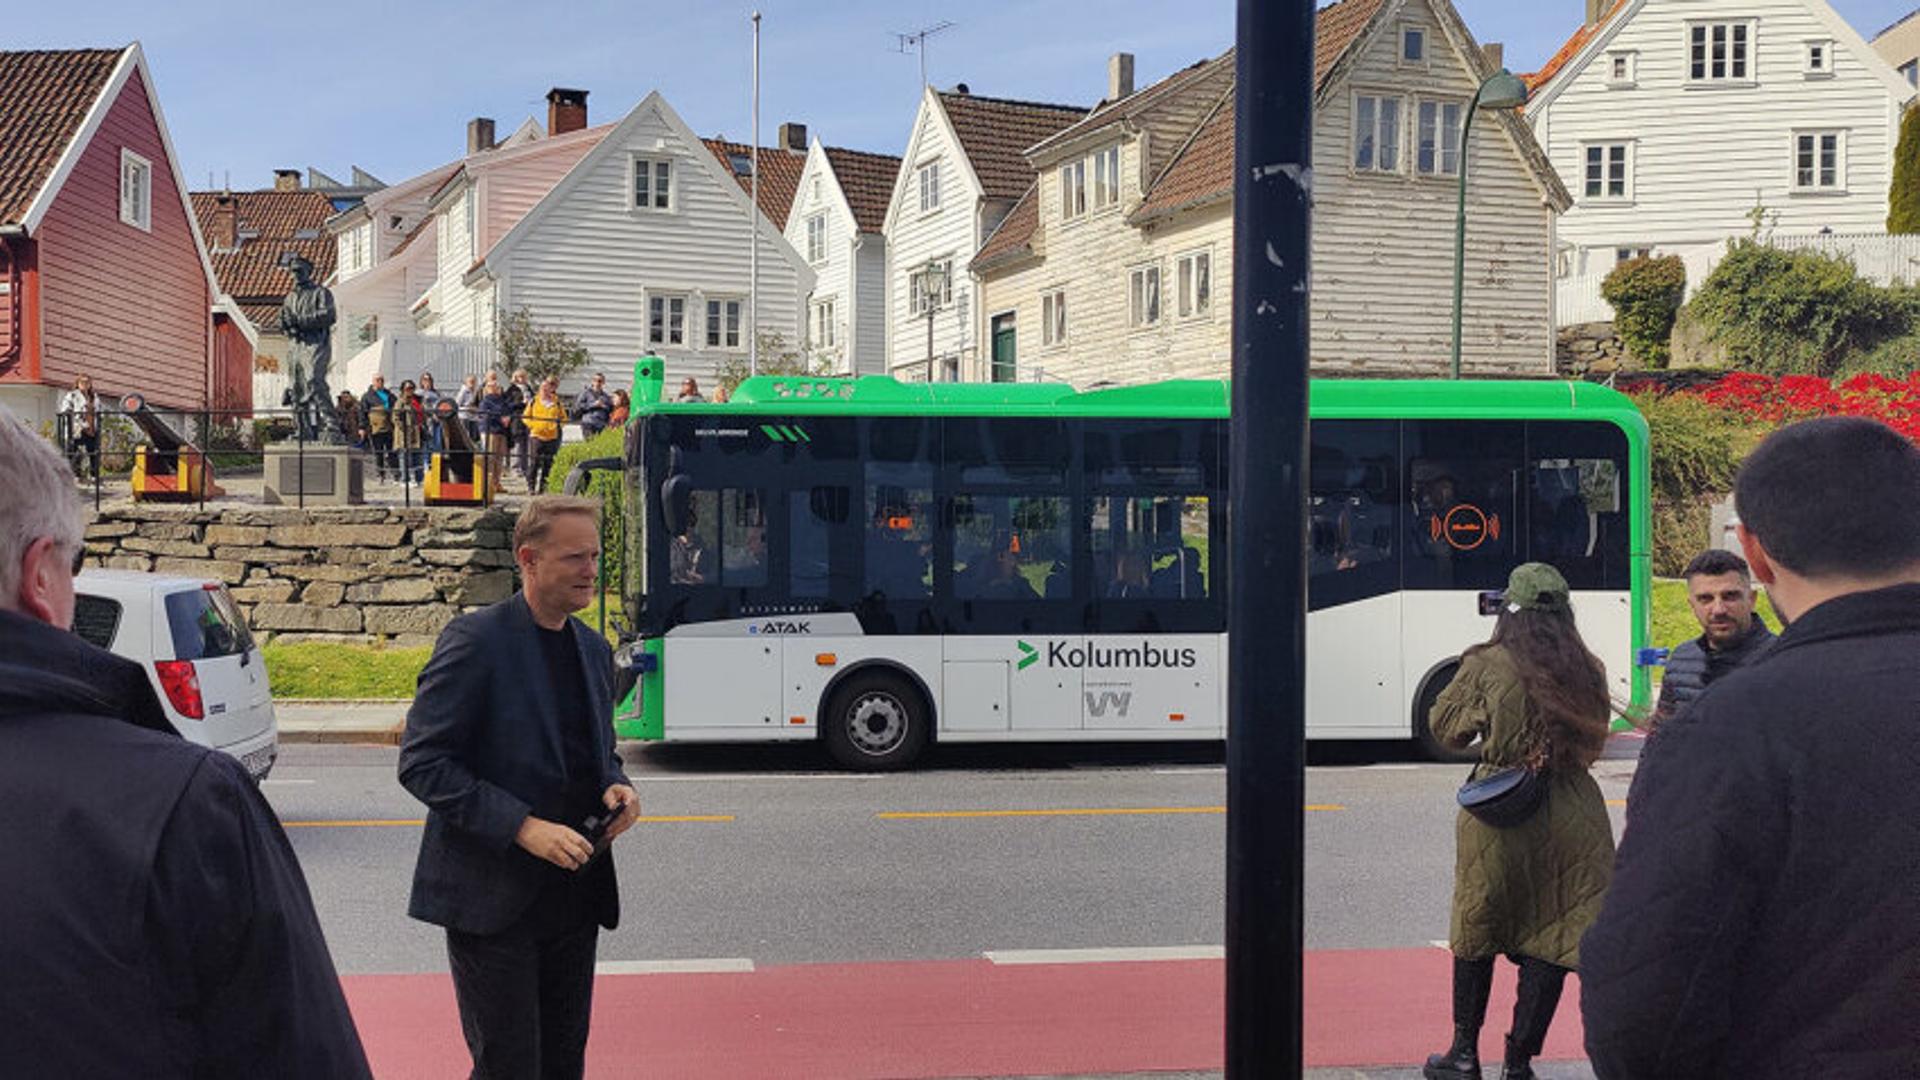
(306, 318)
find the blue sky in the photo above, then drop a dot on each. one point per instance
(390, 84)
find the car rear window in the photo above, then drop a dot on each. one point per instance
(96, 619)
(206, 625)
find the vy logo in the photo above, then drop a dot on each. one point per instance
(1118, 701)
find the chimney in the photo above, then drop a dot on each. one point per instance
(1595, 9)
(793, 137)
(1119, 76)
(961, 88)
(479, 134)
(1495, 53)
(286, 179)
(224, 229)
(566, 111)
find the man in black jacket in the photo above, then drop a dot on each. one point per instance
(510, 745)
(153, 919)
(1720, 593)
(1764, 919)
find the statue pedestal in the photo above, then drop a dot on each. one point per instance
(316, 474)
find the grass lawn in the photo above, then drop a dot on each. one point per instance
(1673, 621)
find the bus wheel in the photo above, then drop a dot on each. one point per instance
(876, 722)
(1423, 721)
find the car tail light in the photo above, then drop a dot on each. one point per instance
(182, 685)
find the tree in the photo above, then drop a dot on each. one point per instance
(1646, 296)
(1903, 200)
(776, 358)
(542, 351)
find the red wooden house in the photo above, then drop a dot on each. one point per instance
(102, 267)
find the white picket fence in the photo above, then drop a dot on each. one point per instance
(450, 359)
(1878, 257)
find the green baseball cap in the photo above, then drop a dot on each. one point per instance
(1536, 586)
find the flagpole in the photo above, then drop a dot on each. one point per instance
(753, 256)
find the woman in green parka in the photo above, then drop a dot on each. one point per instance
(1534, 695)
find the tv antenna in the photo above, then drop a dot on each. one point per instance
(916, 41)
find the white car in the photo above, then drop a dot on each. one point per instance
(193, 642)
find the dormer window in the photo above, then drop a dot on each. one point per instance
(1819, 59)
(742, 163)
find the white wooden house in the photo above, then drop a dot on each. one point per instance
(836, 222)
(1674, 120)
(963, 170)
(1118, 263)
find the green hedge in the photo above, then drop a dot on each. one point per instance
(1697, 449)
(607, 487)
(1646, 295)
(1903, 199)
(1783, 312)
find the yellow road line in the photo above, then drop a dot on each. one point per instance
(417, 822)
(1093, 811)
(1616, 802)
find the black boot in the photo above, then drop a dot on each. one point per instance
(1539, 996)
(1472, 983)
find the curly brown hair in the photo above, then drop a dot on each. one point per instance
(1566, 685)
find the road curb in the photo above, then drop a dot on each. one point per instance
(380, 736)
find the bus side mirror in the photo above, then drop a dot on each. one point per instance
(675, 494)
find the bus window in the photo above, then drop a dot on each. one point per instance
(1011, 547)
(1577, 502)
(1352, 494)
(813, 518)
(743, 543)
(1153, 546)
(899, 540)
(690, 554)
(1461, 494)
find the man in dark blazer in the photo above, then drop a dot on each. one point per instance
(510, 745)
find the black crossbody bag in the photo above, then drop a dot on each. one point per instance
(1505, 798)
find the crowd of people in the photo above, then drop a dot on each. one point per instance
(1758, 919)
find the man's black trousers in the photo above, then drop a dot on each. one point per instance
(526, 994)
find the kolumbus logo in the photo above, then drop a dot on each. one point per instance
(1061, 654)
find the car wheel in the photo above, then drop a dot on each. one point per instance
(876, 722)
(1431, 744)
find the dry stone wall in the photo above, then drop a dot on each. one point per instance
(351, 574)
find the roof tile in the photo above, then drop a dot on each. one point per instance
(44, 98)
(1014, 237)
(1575, 42)
(995, 133)
(252, 274)
(867, 181)
(779, 175)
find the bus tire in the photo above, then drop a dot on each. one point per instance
(876, 721)
(1430, 744)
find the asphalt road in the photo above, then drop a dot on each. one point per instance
(762, 854)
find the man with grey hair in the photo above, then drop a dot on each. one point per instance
(156, 920)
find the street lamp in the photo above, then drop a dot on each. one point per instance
(933, 279)
(1502, 90)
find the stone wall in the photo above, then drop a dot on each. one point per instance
(350, 574)
(1583, 349)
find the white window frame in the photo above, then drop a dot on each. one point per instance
(651, 162)
(665, 338)
(1629, 252)
(916, 301)
(1053, 318)
(1073, 189)
(1397, 134)
(927, 176)
(1816, 59)
(1441, 130)
(1146, 296)
(1727, 77)
(1606, 146)
(1839, 185)
(823, 323)
(1910, 71)
(714, 318)
(136, 204)
(1623, 69)
(817, 237)
(1106, 178)
(1426, 44)
(470, 208)
(1188, 269)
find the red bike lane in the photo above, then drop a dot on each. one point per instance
(957, 1018)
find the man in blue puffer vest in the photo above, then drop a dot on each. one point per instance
(1720, 592)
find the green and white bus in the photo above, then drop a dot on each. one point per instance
(878, 565)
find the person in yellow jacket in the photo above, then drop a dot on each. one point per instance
(543, 418)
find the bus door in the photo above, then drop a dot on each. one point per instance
(1354, 678)
(722, 663)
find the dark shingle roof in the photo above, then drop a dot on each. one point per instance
(1140, 100)
(995, 134)
(44, 98)
(1014, 237)
(270, 224)
(779, 175)
(867, 181)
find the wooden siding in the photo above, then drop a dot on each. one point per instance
(869, 334)
(128, 306)
(589, 262)
(232, 368)
(833, 274)
(510, 188)
(456, 305)
(950, 232)
(1703, 157)
(1382, 258)
(1383, 244)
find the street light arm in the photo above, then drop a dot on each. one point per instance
(1500, 90)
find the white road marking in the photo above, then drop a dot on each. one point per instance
(701, 778)
(723, 965)
(1447, 945)
(1105, 956)
(1392, 768)
(1213, 770)
(275, 783)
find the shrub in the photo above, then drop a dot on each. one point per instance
(1903, 200)
(1796, 312)
(608, 488)
(543, 351)
(1697, 449)
(1646, 295)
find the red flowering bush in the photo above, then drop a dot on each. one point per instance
(1764, 399)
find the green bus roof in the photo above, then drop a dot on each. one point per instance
(881, 395)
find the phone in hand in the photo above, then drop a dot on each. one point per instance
(595, 827)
